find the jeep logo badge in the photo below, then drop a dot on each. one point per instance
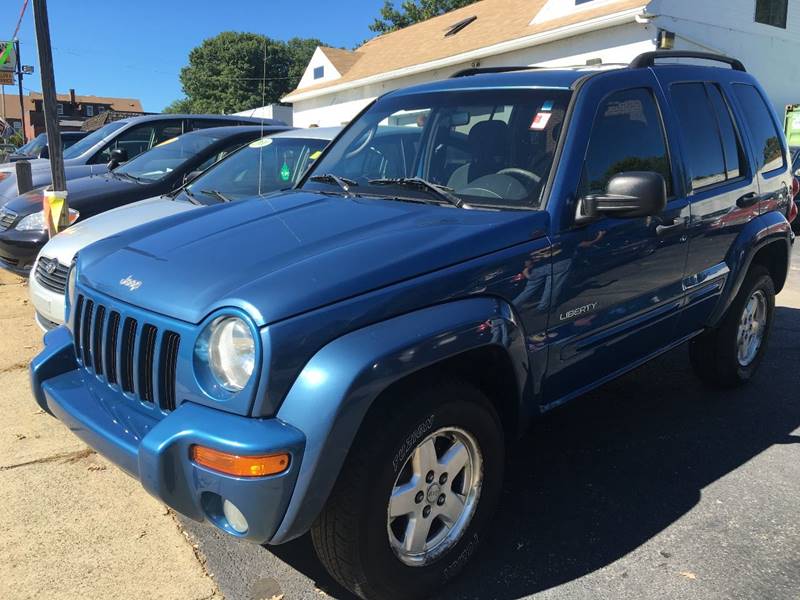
(131, 283)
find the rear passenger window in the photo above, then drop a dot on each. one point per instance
(702, 145)
(734, 156)
(627, 136)
(766, 139)
(712, 149)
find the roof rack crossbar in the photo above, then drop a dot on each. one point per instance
(648, 59)
(479, 70)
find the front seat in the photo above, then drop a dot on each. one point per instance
(489, 143)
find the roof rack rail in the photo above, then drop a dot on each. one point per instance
(648, 59)
(479, 70)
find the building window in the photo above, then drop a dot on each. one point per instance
(60, 108)
(319, 72)
(101, 109)
(17, 125)
(772, 12)
(89, 110)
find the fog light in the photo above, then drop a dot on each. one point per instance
(234, 517)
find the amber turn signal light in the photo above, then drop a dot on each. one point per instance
(240, 466)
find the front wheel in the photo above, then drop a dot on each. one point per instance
(729, 355)
(416, 495)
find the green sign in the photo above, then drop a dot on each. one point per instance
(8, 58)
(285, 172)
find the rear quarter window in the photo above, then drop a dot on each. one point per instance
(763, 131)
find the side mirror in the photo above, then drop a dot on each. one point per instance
(797, 173)
(44, 152)
(629, 195)
(118, 156)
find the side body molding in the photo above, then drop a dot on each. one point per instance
(332, 394)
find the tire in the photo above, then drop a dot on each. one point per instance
(352, 536)
(715, 354)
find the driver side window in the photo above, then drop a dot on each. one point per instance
(627, 136)
(140, 139)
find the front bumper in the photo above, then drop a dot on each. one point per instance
(156, 451)
(18, 249)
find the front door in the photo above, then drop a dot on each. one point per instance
(617, 283)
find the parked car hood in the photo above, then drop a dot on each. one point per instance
(40, 174)
(81, 191)
(66, 244)
(282, 255)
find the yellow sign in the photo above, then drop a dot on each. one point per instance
(265, 141)
(53, 206)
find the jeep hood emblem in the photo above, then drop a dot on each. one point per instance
(131, 283)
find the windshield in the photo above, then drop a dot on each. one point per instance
(90, 140)
(262, 167)
(489, 148)
(166, 157)
(33, 147)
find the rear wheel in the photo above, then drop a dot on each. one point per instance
(729, 355)
(416, 495)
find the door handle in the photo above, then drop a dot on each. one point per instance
(747, 200)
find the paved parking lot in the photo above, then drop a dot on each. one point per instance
(650, 487)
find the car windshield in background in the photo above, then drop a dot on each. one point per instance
(166, 157)
(490, 148)
(90, 140)
(33, 147)
(264, 166)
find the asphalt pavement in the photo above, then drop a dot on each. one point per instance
(652, 486)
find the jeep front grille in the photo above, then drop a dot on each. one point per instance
(140, 360)
(51, 274)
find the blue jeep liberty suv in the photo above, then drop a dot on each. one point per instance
(352, 357)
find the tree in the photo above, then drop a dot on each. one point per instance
(413, 11)
(238, 71)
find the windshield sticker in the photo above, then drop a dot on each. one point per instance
(540, 121)
(260, 143)
(317, 154)
(548, 106)
(285, 172)
(165, 142)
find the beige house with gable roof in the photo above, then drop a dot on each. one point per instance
(764, 34)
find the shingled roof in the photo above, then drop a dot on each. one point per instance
(496, 21)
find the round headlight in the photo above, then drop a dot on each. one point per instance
(231, 352)
(71, 280)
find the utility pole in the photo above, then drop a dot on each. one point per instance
(21, 103)
(56, 208)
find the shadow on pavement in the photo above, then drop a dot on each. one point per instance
(595, 480)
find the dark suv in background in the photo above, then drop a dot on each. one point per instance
(119, 141)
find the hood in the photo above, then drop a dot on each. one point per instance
(41, 175)
(66, 244)
(286, 254)
(82, 191)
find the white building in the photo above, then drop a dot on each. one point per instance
(764, 34)
(270, 111)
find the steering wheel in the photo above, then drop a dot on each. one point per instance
(480, 191)
(362, 145)
(527, 177)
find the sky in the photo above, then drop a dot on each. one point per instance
(137, 49)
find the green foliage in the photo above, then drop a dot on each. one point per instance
(412, 11)
(181, 106)
(16, 139)
(238, 71)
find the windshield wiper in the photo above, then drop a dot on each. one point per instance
(126, 176)
(216, 194)
(192, 198)
(342, 182)
(440, 191)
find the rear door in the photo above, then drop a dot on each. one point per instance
(616, 288)
(723, 191)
